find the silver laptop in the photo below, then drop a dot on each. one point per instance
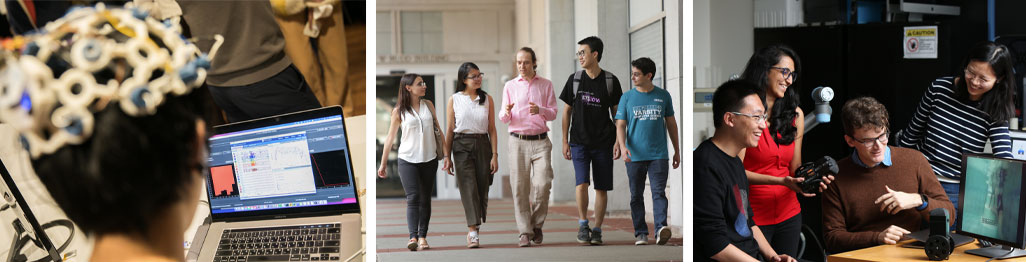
(281, 188)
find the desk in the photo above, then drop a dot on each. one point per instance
(896, 253)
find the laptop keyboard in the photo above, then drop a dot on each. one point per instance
(288, 243)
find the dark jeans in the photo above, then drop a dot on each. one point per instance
(283, 93)
(783, 237)
(951, 189)
(418, 182)
(658, 170)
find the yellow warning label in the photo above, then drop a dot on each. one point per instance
(920, 32)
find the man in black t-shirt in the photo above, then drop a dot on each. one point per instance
(591, 96)
(724, 229)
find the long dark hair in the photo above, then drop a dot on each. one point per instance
(997, 102)
(462, 76)
(405, 97)
(757, 71)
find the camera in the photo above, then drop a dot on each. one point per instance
(813, 172)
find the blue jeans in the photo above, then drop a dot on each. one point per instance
(636, 172)
(951, 189)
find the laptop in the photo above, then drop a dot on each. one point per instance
(282, 188)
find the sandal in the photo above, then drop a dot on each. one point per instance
(412, 245)
(473, 241)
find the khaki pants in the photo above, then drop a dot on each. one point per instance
(472, 157)
(531, 181)
(331, 57)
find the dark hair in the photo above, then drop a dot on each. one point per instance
(594, 43)
(997, 102)
(534, 58)
(130, 170)
(645, 65)
(462, 76)
(405, 97)
(781, 120)
(730, 97)
(862, 112)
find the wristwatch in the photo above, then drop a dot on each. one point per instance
(925, 200)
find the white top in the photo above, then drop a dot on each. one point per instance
(471, 117)
(417, 144)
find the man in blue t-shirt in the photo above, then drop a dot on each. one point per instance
(643, 117)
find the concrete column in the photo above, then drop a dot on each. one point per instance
(561, 48)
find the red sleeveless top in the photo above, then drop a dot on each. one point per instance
(771, 204)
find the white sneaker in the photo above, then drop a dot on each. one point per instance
(641, 240)
(663, 235)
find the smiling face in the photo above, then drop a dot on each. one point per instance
(474, 79)
(979, 79)
(586, 57)
(749, 129)
(870, 142)
(418, 89)
(776, 79)
(525, 63)
(639, 78)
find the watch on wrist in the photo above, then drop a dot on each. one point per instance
(924, 199)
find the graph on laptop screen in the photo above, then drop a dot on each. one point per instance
(289, 165)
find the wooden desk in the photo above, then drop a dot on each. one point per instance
(896, 253)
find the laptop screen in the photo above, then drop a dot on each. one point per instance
(281, 165)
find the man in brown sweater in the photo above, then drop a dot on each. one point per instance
(881, 193)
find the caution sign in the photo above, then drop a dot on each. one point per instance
(920, 42)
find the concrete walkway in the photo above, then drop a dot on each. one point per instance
(447, 236)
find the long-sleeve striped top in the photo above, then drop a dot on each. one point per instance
(943, 128)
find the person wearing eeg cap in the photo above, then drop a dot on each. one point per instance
(101, 99)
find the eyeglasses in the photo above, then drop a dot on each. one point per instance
(870, 142)
(759, 118)
(421, 84)
(637, 74)
(972, 77)
(478, 76)
(793, 75)
(580, 53)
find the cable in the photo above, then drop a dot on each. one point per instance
(19, 241)
(1009, 253)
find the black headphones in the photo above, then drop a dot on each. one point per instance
(940, 244)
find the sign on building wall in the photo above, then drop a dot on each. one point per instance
(920, 42)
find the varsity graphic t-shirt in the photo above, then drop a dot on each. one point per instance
(646, 114)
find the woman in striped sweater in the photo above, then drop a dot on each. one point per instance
(959, 114)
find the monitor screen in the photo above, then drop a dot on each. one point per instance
(991, 204)
(1018, 144)
(280, 167)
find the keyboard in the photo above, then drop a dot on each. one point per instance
(287, 243)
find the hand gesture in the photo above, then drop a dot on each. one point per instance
(533, 109)
(891, 235)
(895, 201)
(509, 107)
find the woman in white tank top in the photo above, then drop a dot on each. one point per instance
(471, 141)
(418, 162)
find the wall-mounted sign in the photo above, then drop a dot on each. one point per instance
(920, 42)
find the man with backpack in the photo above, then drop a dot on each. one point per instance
(589, 136)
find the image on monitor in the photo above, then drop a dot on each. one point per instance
(991, 198)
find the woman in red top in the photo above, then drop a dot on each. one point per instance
(772, 163)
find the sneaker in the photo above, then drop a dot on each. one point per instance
(412, 245)
(584, 234)
(473, 241)
(524, 242)
(596, 237)
(641, 240)
(663, 235)
(537, 236)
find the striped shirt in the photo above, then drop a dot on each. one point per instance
(943, 128)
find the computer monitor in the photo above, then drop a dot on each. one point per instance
(991, 206)
(287, 165)
(1018, 144)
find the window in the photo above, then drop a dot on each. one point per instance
(648, 42)
(384, 31)
(421, 32)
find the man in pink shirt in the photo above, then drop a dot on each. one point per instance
(527, 103)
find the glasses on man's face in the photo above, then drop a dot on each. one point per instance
(793, 75)
(973, 77)
(580, 53)
(870, 142)
(478, 76)
(636, 74)
(758, 118)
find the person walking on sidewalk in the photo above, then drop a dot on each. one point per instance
(643, 118)
(418, 161)
(589, 136)
(470, 137)
(527, 103)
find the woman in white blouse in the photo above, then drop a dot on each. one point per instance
(471, 140)
(418, 161)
